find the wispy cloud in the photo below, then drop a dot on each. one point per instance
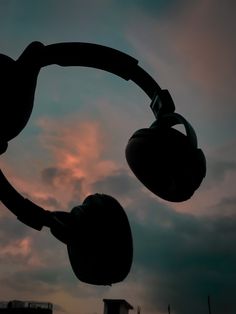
(185, 258)
(76, 148)
(192, 52)
(182, 252)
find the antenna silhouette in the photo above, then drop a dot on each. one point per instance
(169, 309)
(209, 304)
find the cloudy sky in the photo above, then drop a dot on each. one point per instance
(74, 145)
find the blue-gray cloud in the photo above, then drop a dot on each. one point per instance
(183, 258)
(186, 258)
(118, 184)
(11, 228)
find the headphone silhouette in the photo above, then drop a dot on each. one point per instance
(168, 162)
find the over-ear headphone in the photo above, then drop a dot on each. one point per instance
(168, 162)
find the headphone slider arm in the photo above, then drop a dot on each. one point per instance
(33, 215)
(162, 103)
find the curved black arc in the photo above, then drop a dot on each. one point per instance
(25, 210)
(71, 54)
(9, 196)
(100, 57)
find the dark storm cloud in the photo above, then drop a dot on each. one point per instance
(54, 176)
(12, 229)
(185, 258)
(51, 174)
(182, 257)
(226, 207)
(218, 169)
(220, 181)
(47, 280)
(39, 282)
(119, 184)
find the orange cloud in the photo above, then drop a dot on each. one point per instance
(74, 144)
(18, 247)
(77, 148)
(74, 148)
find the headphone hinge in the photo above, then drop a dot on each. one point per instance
(162, 103)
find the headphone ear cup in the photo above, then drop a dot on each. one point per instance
(17, 82)
(100, 249)
(166, 162)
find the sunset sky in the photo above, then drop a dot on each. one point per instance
(74, 145)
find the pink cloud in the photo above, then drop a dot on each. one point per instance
(81, 150)
(76, 146)
(22, 250)
(197, 46)
(205, 38)
(18, 247)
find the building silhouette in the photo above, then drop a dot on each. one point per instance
(25, 307)
(111, 306)
(116, 306)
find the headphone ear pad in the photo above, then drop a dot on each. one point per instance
(166, 162)
(101, 248)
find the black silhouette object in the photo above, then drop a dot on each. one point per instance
(97, 233)
(168, 162)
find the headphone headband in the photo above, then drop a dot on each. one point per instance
(90, 55)
(18, 80)
(25, 210)
(34, 57)
(100, 57)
